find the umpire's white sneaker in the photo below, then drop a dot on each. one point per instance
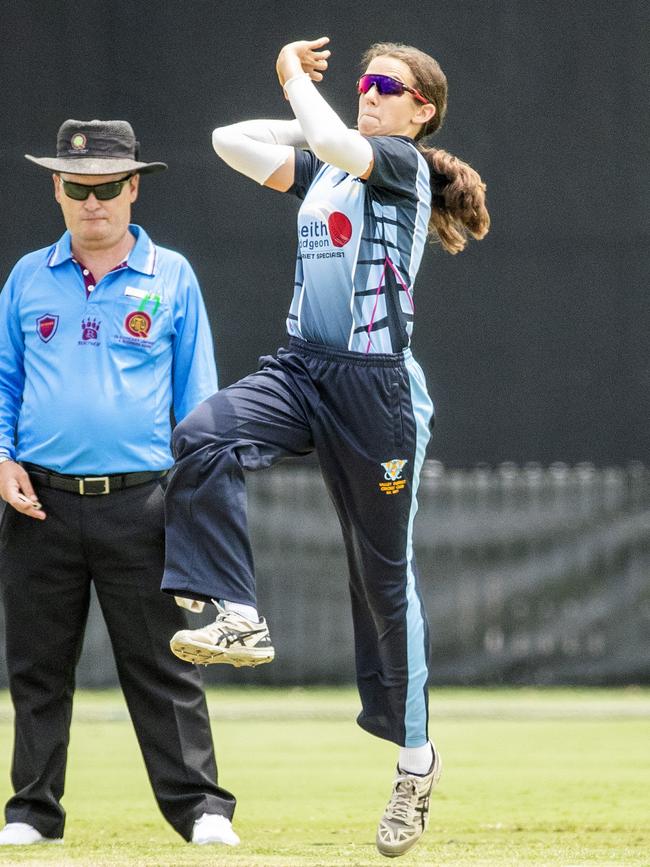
(232, 638)
(213, 828)
(22, 834)
(407, 815)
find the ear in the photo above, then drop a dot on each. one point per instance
(134, 183)
(424, 113)
(57, 187)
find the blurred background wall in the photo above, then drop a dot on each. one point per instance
(534, 341)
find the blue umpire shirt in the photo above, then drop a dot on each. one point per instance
(87, 382)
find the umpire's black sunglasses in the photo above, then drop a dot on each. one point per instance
(102, 192)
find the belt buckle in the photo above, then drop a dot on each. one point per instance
(84, 481)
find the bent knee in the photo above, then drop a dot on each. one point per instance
(211, 423)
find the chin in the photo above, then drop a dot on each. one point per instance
(368, 129)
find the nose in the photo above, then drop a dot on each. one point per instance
(92, 203)
(371, 95)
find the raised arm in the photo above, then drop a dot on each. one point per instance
(299, 64)
(264, 149)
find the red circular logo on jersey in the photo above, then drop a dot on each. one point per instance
(340, 228)
(138, 323)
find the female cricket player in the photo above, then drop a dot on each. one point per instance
(346, 386)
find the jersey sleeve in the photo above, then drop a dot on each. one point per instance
(194, 369)
(12, 369)
(396, 165)
(306, 168)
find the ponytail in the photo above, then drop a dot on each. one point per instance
(457, 191)
(457, 200)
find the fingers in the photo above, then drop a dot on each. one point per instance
(17, 490)
(25, 483)
(315, 72)
(307, 56)
(315, 64)
(313, 52)
(321, 63)
(318, 58)
(30, 507)
(318, 43)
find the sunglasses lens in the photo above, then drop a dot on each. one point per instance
(389, 86)
(79, 192)
(386, 86)
(108, 191)
(102, 192)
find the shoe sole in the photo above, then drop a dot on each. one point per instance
(208, 654)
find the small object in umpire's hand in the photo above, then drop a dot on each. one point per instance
(27, 501)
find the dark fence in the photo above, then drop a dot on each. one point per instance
(535, 340)
(530, 575)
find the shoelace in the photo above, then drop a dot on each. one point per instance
(229, 623)
(232, 618)
(215, 629)
(403, 800)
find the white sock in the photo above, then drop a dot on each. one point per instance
(247, 611)
(416, 760)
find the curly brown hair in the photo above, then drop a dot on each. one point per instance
(458, 206)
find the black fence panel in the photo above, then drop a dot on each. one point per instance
(530, 575)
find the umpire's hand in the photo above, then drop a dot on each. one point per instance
(16, 489)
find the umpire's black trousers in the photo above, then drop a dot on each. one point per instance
(117, 542)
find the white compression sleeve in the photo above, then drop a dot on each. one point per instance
(327, 135)
(256, 148)
(284, 132)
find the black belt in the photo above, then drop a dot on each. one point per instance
(90, 485)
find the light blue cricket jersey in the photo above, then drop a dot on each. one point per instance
(360, 244)
(87, 383)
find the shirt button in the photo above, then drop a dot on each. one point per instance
(90, 287)
(86, 272)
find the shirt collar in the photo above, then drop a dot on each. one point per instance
(142, 256)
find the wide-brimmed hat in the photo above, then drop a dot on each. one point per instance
(96, 147)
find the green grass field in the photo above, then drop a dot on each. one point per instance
(548, 777)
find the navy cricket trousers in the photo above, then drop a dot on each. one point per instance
(368, 418)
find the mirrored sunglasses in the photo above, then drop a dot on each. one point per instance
(387, 86)
(102, 192)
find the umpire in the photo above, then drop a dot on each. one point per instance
(102, 334)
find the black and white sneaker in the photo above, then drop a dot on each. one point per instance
(232, 639)
(407, 814)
